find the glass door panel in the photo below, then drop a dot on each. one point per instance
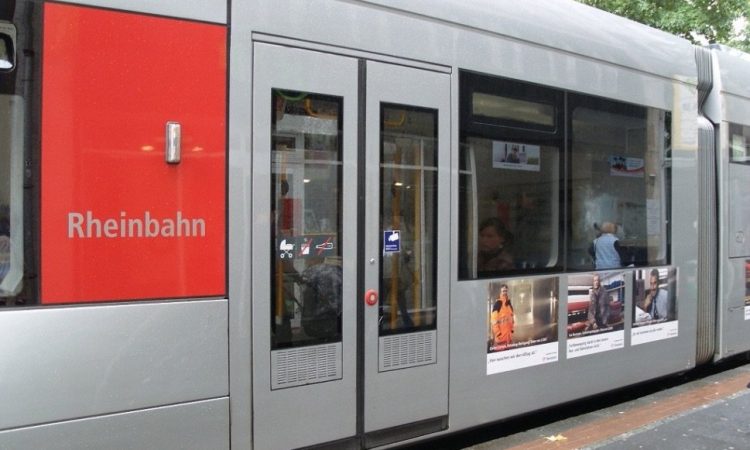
(306, 278)
(408, 207)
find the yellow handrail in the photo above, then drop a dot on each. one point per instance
(312, 113)
(395, 123)
(396, 225)
(417, 284)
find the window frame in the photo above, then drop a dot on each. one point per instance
(274, 235)
(473, 126)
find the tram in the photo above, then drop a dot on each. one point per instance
(355, 223)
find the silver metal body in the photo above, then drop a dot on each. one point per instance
(201, 373)
(729, 104)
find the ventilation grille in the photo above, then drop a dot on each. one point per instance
(305, 365)
(407, 350)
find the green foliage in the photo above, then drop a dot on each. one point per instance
(700, 21)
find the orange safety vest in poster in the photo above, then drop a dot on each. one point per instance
(502, 323)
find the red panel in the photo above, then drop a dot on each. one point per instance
(111, 81)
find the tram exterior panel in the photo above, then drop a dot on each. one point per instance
(364, 140)
(729, 108)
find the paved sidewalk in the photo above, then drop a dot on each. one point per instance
(706, 413)
(706, 409)
(721, 424)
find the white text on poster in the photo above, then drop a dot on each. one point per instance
(595, 344)
(654, 332)
(521, 357)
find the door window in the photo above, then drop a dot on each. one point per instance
(408, 206)
(306, 233)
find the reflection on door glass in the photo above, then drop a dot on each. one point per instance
(306, 277)
(408, 206)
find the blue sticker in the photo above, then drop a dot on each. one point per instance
(391, 241)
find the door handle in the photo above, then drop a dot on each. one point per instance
(173, 138)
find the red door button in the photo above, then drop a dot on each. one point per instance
(371, 297)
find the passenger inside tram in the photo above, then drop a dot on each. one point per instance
(606, 249)
(494, 242)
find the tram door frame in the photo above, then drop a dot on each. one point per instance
(360, 402)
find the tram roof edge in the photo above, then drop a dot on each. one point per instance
(568, 26)
(734, 70)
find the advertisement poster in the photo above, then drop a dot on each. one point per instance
(620, 166)
(521, 323)
(654, 305)
(595, 313)
(747, 289)
(515, 156)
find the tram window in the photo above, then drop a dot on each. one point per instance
(11, 198)
(619, 184)
(306, 276)
(18, 162)
(408, 207)
(739, 144)
(511, 167)
(514, 212)
(526, 193)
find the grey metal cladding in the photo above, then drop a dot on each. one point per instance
(566, 26)
(199, 425)
(202, 10)
(734, 70)
(72, 362)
